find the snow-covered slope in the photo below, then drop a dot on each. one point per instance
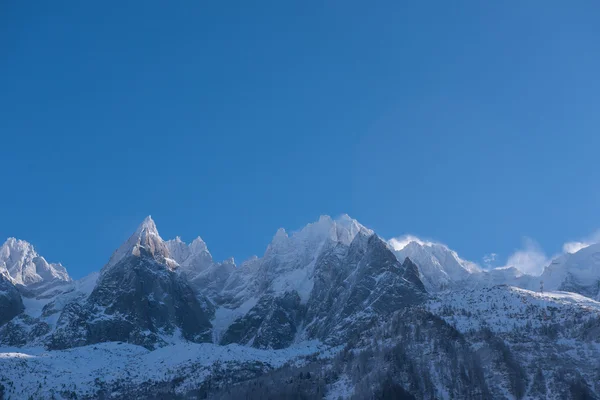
(501, 276)
(94, 371)
(25, 266)
(504, 308)
(193, 256)
(405, 318)
(42, 308)
(274, 290)
(199, 268)
(440, 268)
(288, 262)
(578, 272)
(532, 344)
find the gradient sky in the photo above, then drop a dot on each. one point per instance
(472, 123)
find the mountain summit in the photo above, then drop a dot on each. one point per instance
(577, 272)
(439, 267)
(145, 238)
(138, 298)
(21, 264)
(403, 318)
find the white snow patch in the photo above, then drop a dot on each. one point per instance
(224, 317)
(38, 373)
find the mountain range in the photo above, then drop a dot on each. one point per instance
(330, 311)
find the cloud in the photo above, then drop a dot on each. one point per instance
(400, 242)
(531, 259)
(490, 259)
(575, 246)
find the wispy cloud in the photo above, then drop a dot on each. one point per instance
(531, 259)
(400, 242)
(489, 260)
(575, 246)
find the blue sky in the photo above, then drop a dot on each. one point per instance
(472, 123)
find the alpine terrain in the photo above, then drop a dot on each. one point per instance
(332, 311)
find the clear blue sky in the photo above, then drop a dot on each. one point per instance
(472, 123)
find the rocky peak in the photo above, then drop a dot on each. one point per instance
(145, 240)
(346, 229)
(439, 267)
(193, 257)
(198, 246)
(178, 249)
(311, 238)
(21, 264)
(577, 272)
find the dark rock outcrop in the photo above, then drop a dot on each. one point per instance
(11, 303)
(357, 287)
(136, 301)
(272, 323)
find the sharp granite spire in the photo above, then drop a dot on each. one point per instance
(21, 264)
(145, 237)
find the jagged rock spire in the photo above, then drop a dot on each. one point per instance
(145, 238)
(21, 264)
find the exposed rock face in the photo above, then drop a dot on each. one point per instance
(212, 279)
(11, 303)
(411, 321)
(138, 298)
(152, 298)
(353, 287)
(194, 257)
(279, 285)
(199, 268)
(145, 237)
(272, 323)
(358, 286)
(43, 306)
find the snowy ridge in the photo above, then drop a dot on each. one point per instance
(296, 254)
(164, 316)
(189, 255)
(23, 265)
(86, 370)
(146, 236)
(288, 262)
(577, 272)
(439, 267)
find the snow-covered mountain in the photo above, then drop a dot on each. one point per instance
(145, 239)
(140, 297)
(194, 255)
(328, 311)
(199, 268)
(440, 268)
(23, 265)
(577, 272)
(289, 261)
